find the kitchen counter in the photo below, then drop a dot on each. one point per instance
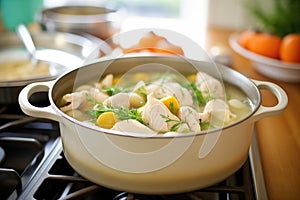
(278, 137)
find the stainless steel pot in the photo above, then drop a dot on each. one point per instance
(153, 164)
(11, 46)
(99, 21)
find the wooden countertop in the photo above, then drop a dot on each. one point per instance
(278, 137)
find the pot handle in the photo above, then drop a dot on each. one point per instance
(29, 109)
(279, 93)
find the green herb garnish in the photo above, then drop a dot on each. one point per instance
(175, 127)
(121, 112)
(198, 94)
(112, 90)
(204, 125)
(172, 108)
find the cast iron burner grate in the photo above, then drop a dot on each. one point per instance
(58, 180)
(24, 143)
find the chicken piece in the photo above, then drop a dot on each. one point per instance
(125, 100)
(132, 126)
(237, 104)
(209, 86)
(183, 128)
(158, 90)
(172, 89)
(79, 115)
(118, 100)
(191, 117)
(183, 96)
(73, 100)
(99, 96)
(218, 113)
(153, 112)
(215, 104)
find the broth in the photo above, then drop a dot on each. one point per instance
(22, 69)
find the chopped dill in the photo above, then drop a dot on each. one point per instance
(112, 90)
(175, 127)
(202, 100)
(172, 108)
(121, 112)
(204, 125)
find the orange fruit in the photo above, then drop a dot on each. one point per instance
(154, 44)
(149, 40)
(164, 46)
(265, 44)
(290, 48)
(244, 38)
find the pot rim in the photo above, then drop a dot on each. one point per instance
(24, 82)
(255, 107)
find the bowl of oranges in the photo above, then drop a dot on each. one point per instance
(272, 56)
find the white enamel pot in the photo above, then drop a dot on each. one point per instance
(154, 164)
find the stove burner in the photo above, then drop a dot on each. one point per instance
(129, 196)
(21, 154)
(2, 155)
(185, 196)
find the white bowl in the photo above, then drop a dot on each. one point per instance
(273, 68)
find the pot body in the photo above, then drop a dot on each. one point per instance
(153, 164)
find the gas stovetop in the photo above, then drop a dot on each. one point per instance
(33, 166)
(25, 143)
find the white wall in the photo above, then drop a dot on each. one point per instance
(233, 14)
